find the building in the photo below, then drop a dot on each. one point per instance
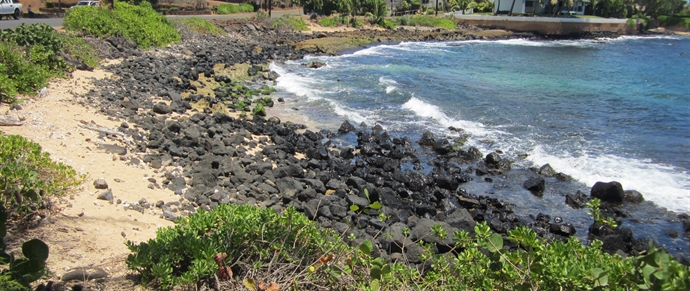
(529, 6)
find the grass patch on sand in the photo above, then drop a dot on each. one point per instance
(425, 20)
(200, 26)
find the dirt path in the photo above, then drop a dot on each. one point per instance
(88, 232)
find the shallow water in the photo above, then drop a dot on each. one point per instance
(598, 110)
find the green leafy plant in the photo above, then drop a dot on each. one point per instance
(253, 239)
(594, 210)
(29, 175)
(76, 48)
(289, 22)
(423, 20)
(376, 205)
(232, 8)
(23, 270)
(201, 26)
(328, 22)
(141, 24)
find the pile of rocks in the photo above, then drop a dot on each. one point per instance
(277, 165)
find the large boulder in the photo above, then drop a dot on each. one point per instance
(608, 192)
(536, 185)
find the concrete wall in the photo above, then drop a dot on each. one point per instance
(551, 25)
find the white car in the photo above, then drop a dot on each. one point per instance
(87, 3)
(10, 8)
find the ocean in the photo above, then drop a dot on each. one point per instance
(597, 110)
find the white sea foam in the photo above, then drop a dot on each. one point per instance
(666, 186)
(349, 113)
(293, 83)
(426, 110)
(389, 83)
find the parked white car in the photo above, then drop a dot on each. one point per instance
(11, 8)
(86, 3)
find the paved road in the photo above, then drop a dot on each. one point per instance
(55, 22)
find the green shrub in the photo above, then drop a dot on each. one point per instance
(201, 26)
(675, 21)
(429, 21)
(28, 175)
(290, 23)
(387, 24)
(18, 73)
(43, 41)
(232, 8)
(253, 239)
(140, 24)
(328, 22)
(289, 248)
(75, 47)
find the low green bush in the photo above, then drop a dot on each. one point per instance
(296, 253)
(232, 8)
(253, 240)
(289, 22)
(387, 24)
(43, 41)
(76, 48)
(423, 20)
(683, 22)
(328, 22)
(28, 175)
(141, 24)
(200, 25)
(18, 74)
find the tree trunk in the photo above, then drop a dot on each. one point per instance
(511, 9)
(498, 7)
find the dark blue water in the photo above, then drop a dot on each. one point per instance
(598, 110)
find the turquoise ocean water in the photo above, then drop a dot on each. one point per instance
(598, 110)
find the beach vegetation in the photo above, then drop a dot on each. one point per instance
(242, 243)
(330, 21)
(288, 22)
(425, 20)
(139, 24)
(28, 176)
(32, 54)
(677, 21)
(232, 8)
(200, 25)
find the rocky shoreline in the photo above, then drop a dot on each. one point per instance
(208, 155)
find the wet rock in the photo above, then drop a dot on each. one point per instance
(577, 200)
(492, 158)
(443, 147)
(566, 229)
(608, 192)
(428, 139)
(633, 196)
(547, 170)
(536, 185)
(346, 127)
(314, 64)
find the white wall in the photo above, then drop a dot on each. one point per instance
(518, 8)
